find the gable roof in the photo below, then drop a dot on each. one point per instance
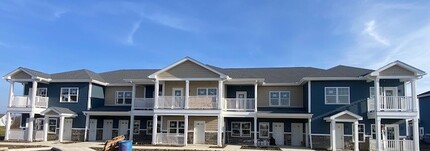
(417, 71)
(222, 75)
(343, 113)
(118, 76)
(31, 72)
(60, 111)
(78, 74)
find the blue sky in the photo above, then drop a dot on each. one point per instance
(56, 36)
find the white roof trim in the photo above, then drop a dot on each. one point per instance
(9, 75)
(346, 112)
(417, 71)
(183, 60)
(285, 115)
(59, 114)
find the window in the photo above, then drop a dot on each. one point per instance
(337, 95)
(69, 94)
(372, 92)
(39, 124)
(136, 127)
(43, 92)
(360, 133)
(149, 127)
(421, 131)
(264, 129)
(176, 127)
(279, 98)
(241, 129)
(207, 91)
(123, 97)
(52, 125)
(373, 130)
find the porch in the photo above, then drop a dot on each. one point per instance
(393, 145)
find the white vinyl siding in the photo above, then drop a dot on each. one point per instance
(337, 95)
(279, 98)
(241, 129)
(69, 94)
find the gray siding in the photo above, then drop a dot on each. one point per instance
(396, 71)
(296, 95)
(21, 75)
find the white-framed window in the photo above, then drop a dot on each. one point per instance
(279, 98)
(421, 131)
(43, 92)
(263, 129)
(206, 91)
(372, 92)
(69, 94)
(39, 124)
(136, 127)
(241, 129)
(337, 95)
(361, 130)
(123, 97)
(177, 127)
(373, 130)
(52, 125)
(149, 127)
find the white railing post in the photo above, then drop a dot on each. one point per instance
(377, 95)
(156, 91)
(11, 91)
(187, 93)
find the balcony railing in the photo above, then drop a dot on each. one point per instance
(392, 104)
(393, 145)
(170, 138)
(171, 102)
(202, 102)
(143, 103)
(239, 104)
(24, 101)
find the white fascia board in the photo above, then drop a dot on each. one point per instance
(285, 115)
(107, 113)
(144, 81)
(8, 76)
(281, 84)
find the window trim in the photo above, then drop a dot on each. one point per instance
(177, 126)
(241, 130)
(77, 94)
(49, 125)
(138, 127)
(149, 132)
(364, 132)
(207, 91)
(279, 103)
(123, 99)
(373, 127)
(337, 96)
(259, 129)
(43, 88)
(37, 123)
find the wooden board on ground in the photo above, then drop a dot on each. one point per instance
(113, 143)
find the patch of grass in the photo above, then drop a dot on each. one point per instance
(22, 146)
(261, 147)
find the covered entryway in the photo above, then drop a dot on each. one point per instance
(62, 114)
(337, 129)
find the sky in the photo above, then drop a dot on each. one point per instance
(57, 36)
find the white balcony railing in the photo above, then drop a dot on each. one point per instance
(393, 145)
(16, 134)
(143, 103)
(392, 103)
(24, 101)
(240, 104)
(202, 102)
(170, 138)
(171, 102)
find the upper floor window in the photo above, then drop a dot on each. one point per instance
(206, 91)
(69, 94)
(43, 92)
(337, 95)
(279, 98)
(123, 97)
(372, 92)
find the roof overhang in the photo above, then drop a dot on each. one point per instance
(416, 71)
(107, 113)
(337, 117)
(33, 77)
(59, 113)
(285, 115)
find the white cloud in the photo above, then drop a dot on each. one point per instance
(370, 31)
(134, 29)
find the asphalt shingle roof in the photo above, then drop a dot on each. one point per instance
(118, 76)
(36, 73)
(78, 74)
(62, 110)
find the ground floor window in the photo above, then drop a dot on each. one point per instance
(149, 127)
(241, 129)
(373, 130)
(39, 124)
(264, 129)
(52, 125)
(361, 131)
(136, 127)
(176, 127)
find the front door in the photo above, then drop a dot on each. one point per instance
(339, 135)
(107, 129)
(391, 135)
(390, 98)
(123, 127)
(241, 100)
(199, 132)
(177, 99)
(67, 135)
(92, 130)
(297, 134)
(278, 133)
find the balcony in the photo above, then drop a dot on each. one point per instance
(178, 102)
(202, 102)
(170, 139)
(393, 145)
(391, 104)
(143, 103)
(171, 102)
(25, 102)
(239, 104)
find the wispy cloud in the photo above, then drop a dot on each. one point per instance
(134, 29)
(171, 21)
(370, 31)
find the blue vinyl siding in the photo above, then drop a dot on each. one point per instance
(305, 96)
(232, 89)
(424, 114)
(115, 120)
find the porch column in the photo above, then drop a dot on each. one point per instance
(45, 128)
(8, 123)
(156, 90)
(255, 130)
(333, 135)
(187, 93)
(416, 135)
(220, 94)
(131, 131)
(87, 123)
(356, 136)
(415, 102)
(219, 135)
(60, 134)
(378, 133)
(11, 91)
(310, 132)
(154, 129)
(377, 95)
(306, 135)
(31, 118)
(186, 130)
(255, 96)
(133, 99)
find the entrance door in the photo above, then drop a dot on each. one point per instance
(107, 129)
(297, 134)
(177, 99)
(339, 135)
(67, 133)
(391, 137)
(123, 127)
(241, 100)
(92, 130)
(390, 98)
(278, 133)
(199, 132)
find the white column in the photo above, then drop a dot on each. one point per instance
(31, 118)
(11, 91)
(416, 135)
(156, 90)
(220, 94)
(60, 134)
(8, 123)
(414, 97)
(131, 132)
(45, 128)
(310, 132)
(378, 133)
(187, 93)
(255, 96)
(219, 135)
(90, 91)
(186, 130)
(309, 97)
(154, 129)
(333, 135)
(255, 130)
(133, 99)
(377, 95)
(306, 134)
(87, 125)
(356, 136)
